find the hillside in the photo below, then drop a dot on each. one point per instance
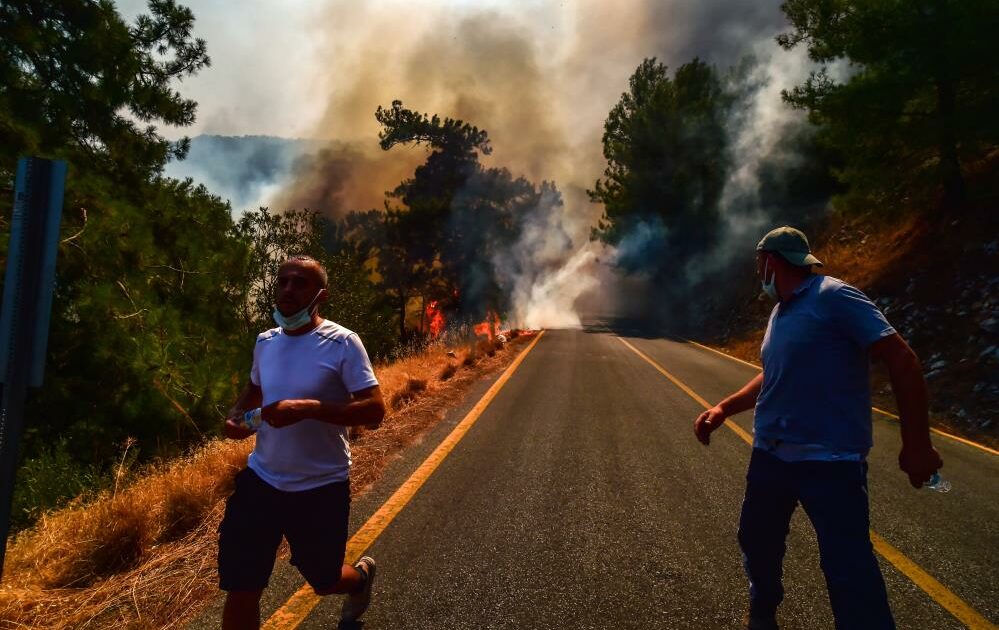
(937, 282)
(143, 555)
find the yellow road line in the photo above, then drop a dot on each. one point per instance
(724, 354)
(956, 438)
(937, 591)
(299, 605)
(940, 593)
(731, 425)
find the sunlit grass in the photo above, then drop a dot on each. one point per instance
(143, 555)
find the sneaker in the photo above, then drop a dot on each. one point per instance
(356, 603)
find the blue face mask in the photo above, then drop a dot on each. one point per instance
(297, 320)
(770, 288)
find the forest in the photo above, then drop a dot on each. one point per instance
(162, 285)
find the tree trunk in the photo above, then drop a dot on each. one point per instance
(423, 315)
(954, 193)
(402, 315)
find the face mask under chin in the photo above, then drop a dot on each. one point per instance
(296, 320)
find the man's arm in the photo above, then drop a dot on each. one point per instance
(918, 457)
(366, 408)
(250, 398)
(742, 400)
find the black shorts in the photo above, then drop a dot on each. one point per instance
(257, 515)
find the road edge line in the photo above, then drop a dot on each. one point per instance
(300, 604)
(956, 438)
(728, 423)
(943, 596)
(931, 586)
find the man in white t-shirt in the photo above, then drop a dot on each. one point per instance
(311, 379)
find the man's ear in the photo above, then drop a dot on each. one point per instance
(324, 296)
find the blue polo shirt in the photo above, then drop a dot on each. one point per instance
(816, 370)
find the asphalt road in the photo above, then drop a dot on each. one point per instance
(580, 499)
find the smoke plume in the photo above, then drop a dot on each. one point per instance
(540, 77)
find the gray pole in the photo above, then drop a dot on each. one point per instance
(26, 309)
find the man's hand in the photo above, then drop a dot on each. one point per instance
(708, 422)
(742, 400)
(248, 399)
(919, 464)
(235, 430)
(287, 412)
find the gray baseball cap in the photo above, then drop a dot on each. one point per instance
(790, 243)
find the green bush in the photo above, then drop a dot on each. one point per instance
(50, 480)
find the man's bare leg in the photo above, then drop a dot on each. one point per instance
(350, 582)
(242, 610)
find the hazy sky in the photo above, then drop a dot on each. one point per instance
(539, 75)
(278, 65)
(264, 55)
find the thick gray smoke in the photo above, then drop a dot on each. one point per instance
(547, 270)
(758, 130)
(541, 78)
(328, 176)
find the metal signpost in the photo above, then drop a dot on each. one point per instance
(27, 306)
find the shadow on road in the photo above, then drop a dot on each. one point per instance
(630, 327)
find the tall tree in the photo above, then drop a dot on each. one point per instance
(906, 90)
(146, 334)
(407, 245)
(77, 81)
(450, 238)
(665, 145)
(487, 219)
(419, 234)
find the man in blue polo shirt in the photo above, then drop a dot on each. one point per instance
(812, 432)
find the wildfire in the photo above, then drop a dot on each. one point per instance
(488, 328)
(435, 318)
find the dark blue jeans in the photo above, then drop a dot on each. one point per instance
(834, 495)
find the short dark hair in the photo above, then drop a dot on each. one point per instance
(309, 260)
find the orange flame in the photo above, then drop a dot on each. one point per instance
(435, 318)
(488, 328)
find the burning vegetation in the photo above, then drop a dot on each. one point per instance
(434, 318)
(439, 249)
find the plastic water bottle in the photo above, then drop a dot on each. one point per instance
(937, 483)
(252, 419)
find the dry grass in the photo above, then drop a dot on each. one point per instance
(144, 557)
(411, 389)
(447, 371)
(139, 559)
(869, 255)
(908, 261)
(864, 255)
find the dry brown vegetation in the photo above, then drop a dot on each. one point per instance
(929, 279)
(850, 254)
(144, 557)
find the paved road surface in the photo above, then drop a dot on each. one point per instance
(580, 499)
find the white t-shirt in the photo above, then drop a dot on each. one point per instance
(328, 363)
